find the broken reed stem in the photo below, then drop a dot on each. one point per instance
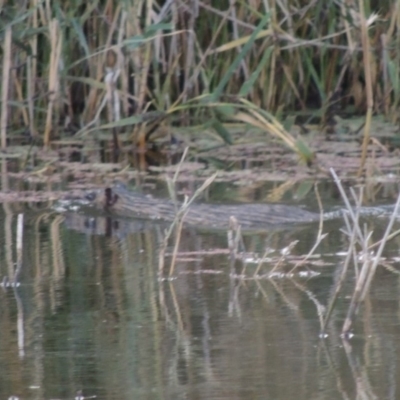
(161, 256)
(171, 183)
(287, 251)
(5, 85)
(382, 246)
(320, 237)
(356, 297)
(349, 208)
(235, 241)
(350, 252)
(390, 237)
(368, 83)
(261, 262)
(177, 223)
(370, 261)
(178, 235)
(180, 216)
(172, 193)
(284, 252)
(234, 234)
(339, 284)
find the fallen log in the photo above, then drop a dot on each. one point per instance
(121, 201)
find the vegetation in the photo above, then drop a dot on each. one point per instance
(131, 63)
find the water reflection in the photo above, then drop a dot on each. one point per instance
(92, 315)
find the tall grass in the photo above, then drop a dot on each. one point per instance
(279, 55)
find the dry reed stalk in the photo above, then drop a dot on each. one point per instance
(348, 31)
(30, 95)
(370, 261)
(94, 103)
(304, 52)
(113, 102)
(141, 60)
(145, 61)
(178, 235)
(190, 43)
(121, 57)
(261, 262)
(255, 118)
(284, 253)
(54, 77)
(368, 84)
(18, 89)
(48, 11)
(381, 247)
(243, 65)
(288, 75)
(320, 236)
(5, 85)
(133, 28)
(385, 77)
(242, 41)
(44, 20)
(233, 236)
(116, 20)
(31, 70)
(177, 225)
(168, 233)
(356, 236)
(199, 66)
(352, 232)
(235, 241)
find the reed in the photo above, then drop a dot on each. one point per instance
(177, 224)
(5, 86)
(293, 56)
(360, 252)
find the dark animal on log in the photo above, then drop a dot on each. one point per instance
(121, 201)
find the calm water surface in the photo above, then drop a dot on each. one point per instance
(91, 314)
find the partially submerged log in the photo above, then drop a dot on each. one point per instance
(121, 201)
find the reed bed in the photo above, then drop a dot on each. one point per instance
(76, 66)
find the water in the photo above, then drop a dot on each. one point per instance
(91, 314)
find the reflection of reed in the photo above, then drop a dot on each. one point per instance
(13, 275)
(198, 335)
(7, 222)
(359, 374)
(190, 361)
(8, 241)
